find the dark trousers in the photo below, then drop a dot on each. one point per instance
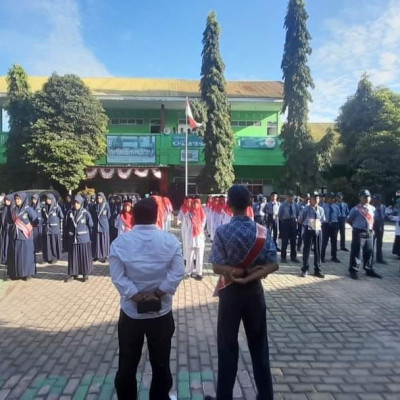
(289, 233)
(329, 231)
(312, 238)
(359, 235)
(342, 231)
(378, 238)
(299, 236)
(272, 225)
(259, 219)
(243, 303)
(131, 334)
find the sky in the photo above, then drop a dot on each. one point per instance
(163, 39)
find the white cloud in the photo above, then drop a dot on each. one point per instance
(45, 36)
(357, 42)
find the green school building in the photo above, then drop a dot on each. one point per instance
(146, 140)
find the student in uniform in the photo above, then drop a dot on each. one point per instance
(311, 218)
(288, 214)
(361, 218)
(271, 211)
(101, 230)
(38, 229)
(65, 207)
(258, 208)
(330, 227)
(5, 227)
(21, 251)
(79, 223)
(301, 204)
(52, 217)
(115, 209)
(186, 233)
(379, 227)
(125, 220)
(344, 212)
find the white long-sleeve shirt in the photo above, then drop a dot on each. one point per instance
(143, 260)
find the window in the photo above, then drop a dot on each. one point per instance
(243, 123)
(272, 128)
(127, 121)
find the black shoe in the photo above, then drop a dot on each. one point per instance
(303, 274)
(277, 248)
(199, 277)
(336, 260)
(353, 274)
(381, 262)
(373, 274)
(85, 278)
(344, 249)
(187, 276)
(319, 274)
(192, 275)
(103, 260)
(295, 260)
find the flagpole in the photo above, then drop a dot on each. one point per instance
(186, 152)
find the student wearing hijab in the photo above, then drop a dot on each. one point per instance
(52, 217)
(37, 230)
(65, 207)
(101, 229)
(115, 209)
(21, 252)
(79, 223)
(126, 219)
(4, 228)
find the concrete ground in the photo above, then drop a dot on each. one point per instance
(329, 339)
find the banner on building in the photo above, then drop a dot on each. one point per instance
(193, 155)
(193, 141)
(131, 149)
(258, 143)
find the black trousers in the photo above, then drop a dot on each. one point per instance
(299, 236)
(259, 219)
(329, 231)
(289, 233)
(243, 303)
(131, 334)
(359, 235)
(342, 231)
(378, 238)
(272, 225)
(312, 238)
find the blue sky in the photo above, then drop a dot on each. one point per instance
(161, 38)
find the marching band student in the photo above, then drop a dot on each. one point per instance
(169, 213)
(38, 229)
(79, 222)
(4, 228)
(101, 231)
(21, 251)
(125, 220)
(184, 221)
(52, 218)
(197, 220)
(219, 215)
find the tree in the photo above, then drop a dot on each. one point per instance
(68, 133)
(200, 115)
(297, 146)
(218, 174)
(20, 111)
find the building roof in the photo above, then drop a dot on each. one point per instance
(147, 87)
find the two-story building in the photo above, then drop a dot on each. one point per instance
(146, 140)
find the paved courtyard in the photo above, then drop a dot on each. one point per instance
(329, 339)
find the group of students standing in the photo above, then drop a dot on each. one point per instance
(83, 226)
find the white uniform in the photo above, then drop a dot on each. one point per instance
(196, 252)
(119, 224)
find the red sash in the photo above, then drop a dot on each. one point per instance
(261, 237)
(26, 229)
(367, 216)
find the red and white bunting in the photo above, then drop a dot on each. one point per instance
(107, 173)
(141, 173)
(91, 172)
(124, 173)
(156, 173)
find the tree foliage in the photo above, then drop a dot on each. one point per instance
(218, 174)
(199, 111)
(305, 160)
(68, 133)
(20, 111)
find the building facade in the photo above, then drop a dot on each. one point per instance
(146, 134)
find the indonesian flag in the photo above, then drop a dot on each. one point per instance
(193, 124)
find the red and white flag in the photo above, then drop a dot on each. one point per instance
(193, 124)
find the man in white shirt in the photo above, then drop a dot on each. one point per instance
(146, 266)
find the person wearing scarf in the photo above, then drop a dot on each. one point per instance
(197, 218)
(21, 251)
(125, 220)
(184, 220)
(115, 209)
(4, 228)
(65, 207)
(52, 217)
(79, 223)
(37, 230)
(101, 229)
(169, 213)
(161, 211)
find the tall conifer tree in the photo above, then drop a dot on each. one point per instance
(297, 145)
(218, 174)
(20, 111)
